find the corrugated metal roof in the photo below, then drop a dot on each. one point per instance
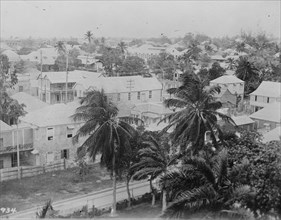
(268, 89)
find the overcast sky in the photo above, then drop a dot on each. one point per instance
(137, 18)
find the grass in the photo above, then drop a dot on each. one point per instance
(143, 211)
(35, 191)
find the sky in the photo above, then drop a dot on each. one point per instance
(137, 19)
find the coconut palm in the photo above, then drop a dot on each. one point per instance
(122, 47)
(89, 36)
(155, 160)
(202, 186)
(231, 63)
(197, 113)
(60, 47)
(247, 72)
(105, 132)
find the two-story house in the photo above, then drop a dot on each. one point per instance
(231, 89)
(52, 86)
(53, 131)
(267, 93)
(128, 90)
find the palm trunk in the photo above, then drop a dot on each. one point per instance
(164, 200)
(152, 192)
(128, 192)
(113, 210)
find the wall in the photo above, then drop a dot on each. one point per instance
(59, 142)
(7, 160)
(260, 123)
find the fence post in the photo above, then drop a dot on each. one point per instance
(64, 164)
(43, 168)
(21, 172)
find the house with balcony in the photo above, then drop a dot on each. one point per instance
(14, 139)
(231, 89)
(267, 93)
(52, 85)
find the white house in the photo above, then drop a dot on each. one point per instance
(267, 93)
(126, 89)
(231, 83)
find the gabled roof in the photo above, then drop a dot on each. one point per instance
(227, 79)
(272, 113)
(273, 135)
(268, 89)
(5, 127)
(32, 103)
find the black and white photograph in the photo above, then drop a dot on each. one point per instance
(145, 109)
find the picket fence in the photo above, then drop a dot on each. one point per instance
(26, 171)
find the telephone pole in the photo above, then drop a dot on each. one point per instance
(66, 81)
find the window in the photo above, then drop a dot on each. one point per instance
(129, 96)
(69, 132)
(150, 94)
(256, 97)
(65, 154)
(50, 134)
(138, 95)
(267, 100)
(1, 142)
(20, 88)
(1, 164)
(118, 97)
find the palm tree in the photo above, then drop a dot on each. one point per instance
(231, 63)
(89, 36)
(60, 47)
(202, 186)
(196, 114)
(122, 47)
(106, 133)
(155, 160)
(247, 72)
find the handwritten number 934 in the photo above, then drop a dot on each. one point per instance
(8, 210)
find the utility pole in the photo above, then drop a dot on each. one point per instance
(66, 76)
(41, 75)
(18, 149)
(130, 85)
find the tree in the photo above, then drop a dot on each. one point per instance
(205, 186)
(231, 63)
(122, 47)
(215, 71)
(247, 72)
(155, 160)
(89, 36)
(60, 47)
(164, 64)
(105, 133)
(196, 114)
(111, 59)
(73, 62)
(132, 65)
(10, 109)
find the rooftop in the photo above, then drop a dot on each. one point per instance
(32, 103)
(271, 112)
(227, 79)
(268, 89)
(273, 135)
(242, 120)
(5, 127)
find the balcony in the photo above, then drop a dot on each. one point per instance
(13, 149)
